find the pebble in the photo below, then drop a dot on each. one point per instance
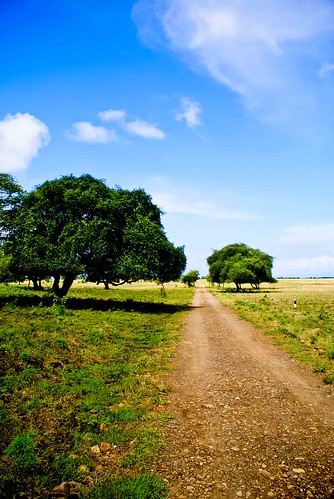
(83, 470)
(298, 470)
(95, 450)
(105, 447)
(264, 473)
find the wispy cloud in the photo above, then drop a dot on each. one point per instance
(265, 53)
(189, 111)
(187, 201)
(326, 68)
(305, 234)
(86, 132)
(304, 267)
(112, 115)
(83, 131)
(21, 137)
(144, 129)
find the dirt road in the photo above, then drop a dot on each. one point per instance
(249, 421)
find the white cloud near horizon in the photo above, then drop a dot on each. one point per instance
(304, 234)
(187, 201)
(86, 132)
(304, 267)
(265, 53)
(190, 112)
(21, 137)
(83, 131)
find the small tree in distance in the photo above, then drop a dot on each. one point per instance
(190, 278)
(240, 264)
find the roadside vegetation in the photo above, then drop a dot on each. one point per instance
(297, 313)
(82, 396)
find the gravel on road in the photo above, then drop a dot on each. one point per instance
(249, 421)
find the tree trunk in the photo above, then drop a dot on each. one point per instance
(67, 283)
(36, 283)
(55, 286)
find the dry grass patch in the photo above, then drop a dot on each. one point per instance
(305, 331)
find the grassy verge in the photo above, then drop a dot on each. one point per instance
(81, 397)
(305, 331)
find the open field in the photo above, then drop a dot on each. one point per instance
(81, 396)
(305, 331)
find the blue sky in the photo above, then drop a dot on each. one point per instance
(224, 114)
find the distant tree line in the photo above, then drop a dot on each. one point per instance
(78, 225)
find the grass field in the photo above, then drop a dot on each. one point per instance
(82, 399)
(305, 331)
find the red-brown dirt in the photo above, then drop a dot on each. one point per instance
(250, 422)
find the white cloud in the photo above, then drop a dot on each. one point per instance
(86, 132)
(304, 267)
(265, 53)
(137, 127)
(144, 129)
(188, 201)
(21, 136)
(112, 115)
(326, 68)
(190, 112)
(309, 234)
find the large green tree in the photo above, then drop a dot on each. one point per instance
(240, 264)
(78, 225)
(10, 198)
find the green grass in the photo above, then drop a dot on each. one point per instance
(80, 373)
(305, 331)
(142, 487)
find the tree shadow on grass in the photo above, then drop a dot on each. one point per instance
(127, 305)
(100, 305)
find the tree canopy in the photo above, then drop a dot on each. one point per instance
(10, 197)
(190, 277)
(78, 225)
(240, 264)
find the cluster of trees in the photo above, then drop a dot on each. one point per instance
(78, 225)
(240, 264)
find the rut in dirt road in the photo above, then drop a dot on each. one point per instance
(249, 421)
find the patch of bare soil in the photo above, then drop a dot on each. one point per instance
(249, 421)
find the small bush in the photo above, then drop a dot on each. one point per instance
(328, 379)
(22, 450)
